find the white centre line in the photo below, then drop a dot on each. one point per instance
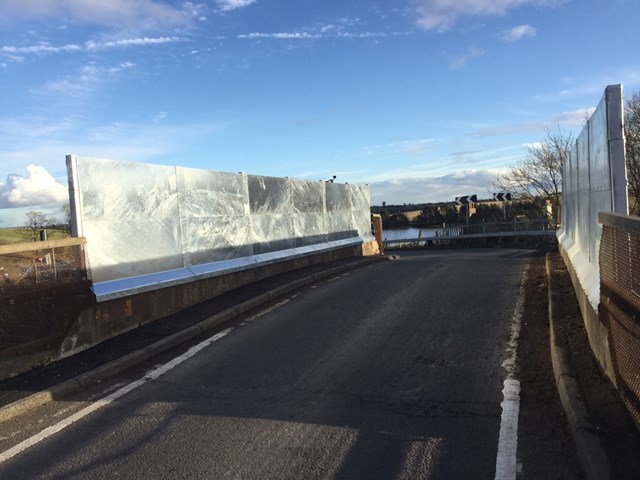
(52, 430)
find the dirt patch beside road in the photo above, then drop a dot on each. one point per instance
(545, 445)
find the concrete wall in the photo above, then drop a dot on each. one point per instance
(593, 180)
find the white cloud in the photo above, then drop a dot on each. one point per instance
(84, 81)
(128, 42)
(228, 5)
(122, 66)
(433, 189)
(442, 15)
(37, 188)
(112, 13)
(280, 36)
(40, 48)
(16, 54)
(574, 118)
(323, 34)
(518, 33)
(462, 60)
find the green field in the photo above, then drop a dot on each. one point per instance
(17, 235)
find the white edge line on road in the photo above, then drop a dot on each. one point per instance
(506, 464)
(52, 430)
(506, 459)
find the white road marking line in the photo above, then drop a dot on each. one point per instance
(52, 430)
(506, 460)
(508, 443)
(267, 310)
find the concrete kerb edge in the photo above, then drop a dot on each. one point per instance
(592, 455)
(72, 385)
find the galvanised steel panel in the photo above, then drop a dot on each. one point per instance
(309, 228)
(338, 198)
(125, 248)
(583, 219)
(206, 193)
(360, 201)
(307, 196)
(268, 195)
(615, 115)
(271, 232)
(211, 239)
(142, 219)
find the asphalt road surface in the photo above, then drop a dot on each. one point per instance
(393, 371)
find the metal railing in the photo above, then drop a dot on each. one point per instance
(619, 306)
(516, 228)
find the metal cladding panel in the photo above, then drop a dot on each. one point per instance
(212, 239)
(144, 219)
(583, 210)
(600, 188)
(205, 193)
(340, 226)
(268, 195)
(598, 165)
(116, 190)
(307, 197)
(360, 201)
(130, 215)
(570, 194)
(271, 232)
(213, 216)
(615, 125)
(309, 228)
(338, 198)
(125, 248)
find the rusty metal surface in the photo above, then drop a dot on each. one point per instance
(620, 308)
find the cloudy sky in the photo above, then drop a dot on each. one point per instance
(424, 100)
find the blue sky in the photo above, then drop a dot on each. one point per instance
(423, 100)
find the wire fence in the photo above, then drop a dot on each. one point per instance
(620, 302)
(38, 283)
(477, 230)
(535, 225)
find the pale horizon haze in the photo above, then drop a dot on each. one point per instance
(423, 100)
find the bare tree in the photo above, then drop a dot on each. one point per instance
(632, 150)
(36, 221)
(66, 209)
(538, 176)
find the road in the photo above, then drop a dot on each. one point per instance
(393, 371)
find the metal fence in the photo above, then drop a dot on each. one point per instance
(620, 301)
(40, 286)
(520, 226)
(452, 233)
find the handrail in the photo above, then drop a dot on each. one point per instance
(31, 246)
(628, 223)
